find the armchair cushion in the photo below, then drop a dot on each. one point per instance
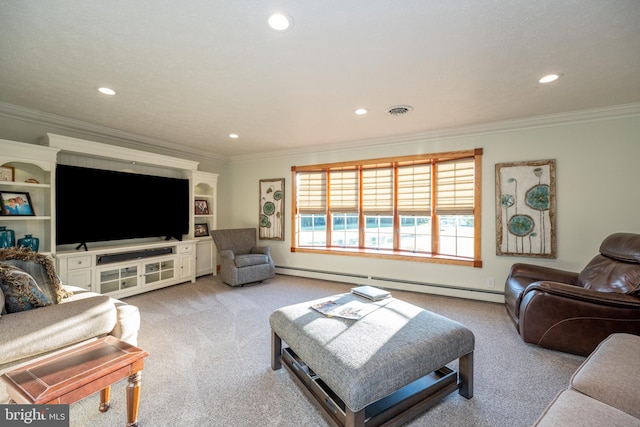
(622, 246)
(240, 240)
(605, 375)
(604, 274)
(251, 259)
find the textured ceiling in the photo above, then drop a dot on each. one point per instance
(190, 72)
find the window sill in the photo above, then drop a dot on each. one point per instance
(394, 255)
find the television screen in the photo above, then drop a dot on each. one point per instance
(95, 205)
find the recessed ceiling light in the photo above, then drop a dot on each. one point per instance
(361, 111)
(280, 21)
(106, 91)
(234, 136)
(549, 78)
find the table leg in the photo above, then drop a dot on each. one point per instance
(465, 370)
(276, 351)
(133, 399)
(105, 399)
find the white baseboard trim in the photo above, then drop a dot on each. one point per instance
(401, 285)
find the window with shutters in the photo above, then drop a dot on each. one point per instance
(424, 207)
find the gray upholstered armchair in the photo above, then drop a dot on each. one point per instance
(241, 261)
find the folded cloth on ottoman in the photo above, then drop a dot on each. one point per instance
(365, 360)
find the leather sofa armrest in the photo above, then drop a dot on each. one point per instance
(577, 293)
(572, 319)
(541, 273)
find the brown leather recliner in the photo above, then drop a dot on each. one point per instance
(574, 312)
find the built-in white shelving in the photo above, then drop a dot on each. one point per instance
(204, 188)
(177, 261)
(31, 162)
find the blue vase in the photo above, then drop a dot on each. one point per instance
(7, 237)
(28, 241)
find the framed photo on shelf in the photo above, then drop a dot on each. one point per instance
(201, 230)
(202, 207)
(7, 173)
(16, 203)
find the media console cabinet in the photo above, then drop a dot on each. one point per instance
(126, 270)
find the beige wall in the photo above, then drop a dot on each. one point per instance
(596, 170)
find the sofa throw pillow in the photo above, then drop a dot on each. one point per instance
(2, 309)
(40, 267)
(20, 290)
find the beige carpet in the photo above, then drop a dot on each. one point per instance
(209, 362)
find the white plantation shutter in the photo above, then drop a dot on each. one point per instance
(414, 190)
(343, 190)
(377, 191)
(455, 187)
(312, 192)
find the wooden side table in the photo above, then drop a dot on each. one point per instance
(72, 375)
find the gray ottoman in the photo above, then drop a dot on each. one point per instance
(388, 365)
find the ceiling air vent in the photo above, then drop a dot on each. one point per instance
(399, 110)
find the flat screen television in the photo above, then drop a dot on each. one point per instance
(95, 205)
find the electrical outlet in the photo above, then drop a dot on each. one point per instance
(490, 282)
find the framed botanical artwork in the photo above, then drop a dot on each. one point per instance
(201, 230)
(526, 209)
(201, 207)
(16, 203)
(271, 213)
(7, 173)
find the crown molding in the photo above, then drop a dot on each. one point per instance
(556, 119)
(136, 141)
(151, 144)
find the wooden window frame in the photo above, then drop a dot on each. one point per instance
(434, 256)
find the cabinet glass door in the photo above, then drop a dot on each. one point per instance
(157, 271)
(118, 279)
(167, 269)
(152, 272)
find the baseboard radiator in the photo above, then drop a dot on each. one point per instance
(391, 283)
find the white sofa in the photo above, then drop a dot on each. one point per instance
(84, 315)
(604, 389)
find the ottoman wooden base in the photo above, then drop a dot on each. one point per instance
(374, 362)
(393, 410)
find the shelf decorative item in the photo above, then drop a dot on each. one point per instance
(201, 230)
(7, 173)
(17, 203)
(28, 241)
(7, 237)
(201, 207)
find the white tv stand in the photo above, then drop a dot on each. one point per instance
(141, 266)
(126, 270)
